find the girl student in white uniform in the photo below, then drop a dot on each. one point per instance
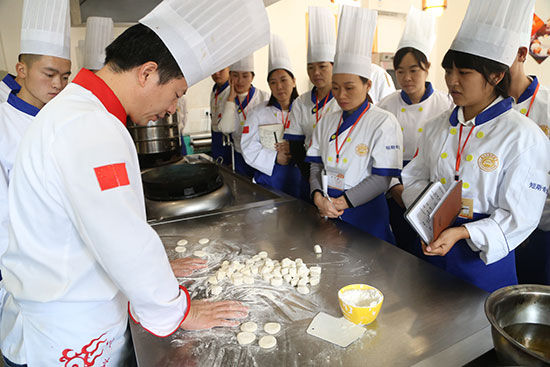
(359, 148)
(310, 107)
(500, 156)
(415, 104)
(221, 146)
(273, 164)
(242, 99)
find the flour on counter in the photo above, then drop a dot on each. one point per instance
(362, 297)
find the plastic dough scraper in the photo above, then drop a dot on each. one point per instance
(338, 331)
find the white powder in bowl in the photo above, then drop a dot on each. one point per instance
(361, 297)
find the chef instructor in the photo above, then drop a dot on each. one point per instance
(81, 255)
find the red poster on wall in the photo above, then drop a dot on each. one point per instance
(540, 39)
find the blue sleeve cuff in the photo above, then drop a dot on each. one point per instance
(294, 137)
(391, 172)
(311, 159)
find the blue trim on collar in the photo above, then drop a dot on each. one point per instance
(21, 105)
(350, 118)
(9, 80)
(294, 137)
(246, 101)
(427, 93)
(486, 115)
(311, 159)
(278, 106)
(220, 89)
(321, 105)
(388, 172)
(528, 93)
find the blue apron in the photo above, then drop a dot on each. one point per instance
(241, 167)
(287, 179)
(219, 150)
(466, 264)
(372, 217)
(533, 259)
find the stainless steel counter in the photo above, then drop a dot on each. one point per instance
(429, 318)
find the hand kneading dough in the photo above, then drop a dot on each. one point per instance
(245, 337)
(181, 249)
(272, 328)
(267, 342)
(249, 326)
(182, 242)
(204, 241)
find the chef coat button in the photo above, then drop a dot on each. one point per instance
(465, 185)
(469, 157)
(329, 159)
(420, 130)
(523, 110)
(345, 160)
(403, 109)
(420, 109)
(443, 181)
(348, 140)
(452, 131)
(444, 155)
(314, 126)
(333, 137)
(402, 129)
(480, 135)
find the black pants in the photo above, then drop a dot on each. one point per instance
(405, 236)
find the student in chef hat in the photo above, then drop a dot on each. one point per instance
(310, 107)
(274, 168)
(243, 98)
(415, 104)
(221, 144)
(78, 176)
(499, 154)
(532, 100)
(8, 81)
(99, 34)
(355, 152)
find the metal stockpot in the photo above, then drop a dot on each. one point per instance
(159, 136)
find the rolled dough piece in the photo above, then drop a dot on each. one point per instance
(267, 342)
(199, 253)
(249, 326)
(314, 280)
(272, 328)
(262, 254)
(216, 289)
(248, 279)
(204, 241)
(213, 280)
(245, 337)
(182, 242)
(303, 289)
(276, 281)
(181, 249)
(317, 249)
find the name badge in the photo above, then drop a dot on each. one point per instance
(467, 211)
(336, 180)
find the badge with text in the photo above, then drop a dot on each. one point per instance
(336, 180)
(467, 211)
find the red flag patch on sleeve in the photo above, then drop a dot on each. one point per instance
(246, 129)
(111, 176)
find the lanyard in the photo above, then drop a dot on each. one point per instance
(317, 118)
(532, 100)
(339, 149)
(460, 151)
(285, 122)
(240, 105)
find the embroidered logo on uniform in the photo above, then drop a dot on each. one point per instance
(488, 162)
(538, 187)
(246, 130)
(391, 147)
(361, 150)
(87, 356)
(111, 176)
(545, 129)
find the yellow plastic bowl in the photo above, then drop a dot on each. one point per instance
(359, 315)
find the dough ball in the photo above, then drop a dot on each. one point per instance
(272, 328)
(181, 249)
(248, 279)
(213, 280)
(314, 280)
(216, 289)
(303, 281)
(204, 241)
(315, 270)
(303, 289)
(267, 342)
(276, 281)
(245, 337)
(262, 254)
(299, 261)
(199, 253)
(249, 326)
(182, 242)
(317, 249)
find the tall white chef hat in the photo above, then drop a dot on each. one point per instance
(99, 34)
(244, 64)
(205, 36)
(46, 28)
(322, 35)
(492, 29)
(419, 32)
(354, 43)
(278, 55)
(527, 25)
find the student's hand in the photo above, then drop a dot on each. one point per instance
(396, 193)
(205, 314)
(340, 203)
(232, 92)
(445, 242)
(326, 208)
(186, 266)
(283, 158)
(283, 146)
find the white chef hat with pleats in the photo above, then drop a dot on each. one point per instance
(279, 57)
(321, 36)
(99, 34)
(492, 29)
(46, 28)
(354, 42)
(527, 25)
(205, 36)
(419, 32)
(244, 64)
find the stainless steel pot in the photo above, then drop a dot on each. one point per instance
(157, 137)
(520, 324)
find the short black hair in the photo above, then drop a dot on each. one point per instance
(138, 45)
(420, 58)
(28, 59)
(293, 95)
(482, 65)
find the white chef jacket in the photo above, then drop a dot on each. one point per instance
(236, 118)
(80, 246)
(218, 96)
(304, 115)
(539, 112)
(8, 84)
(374, 147)
(504, 168)
(413, 117)
(382, 83)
